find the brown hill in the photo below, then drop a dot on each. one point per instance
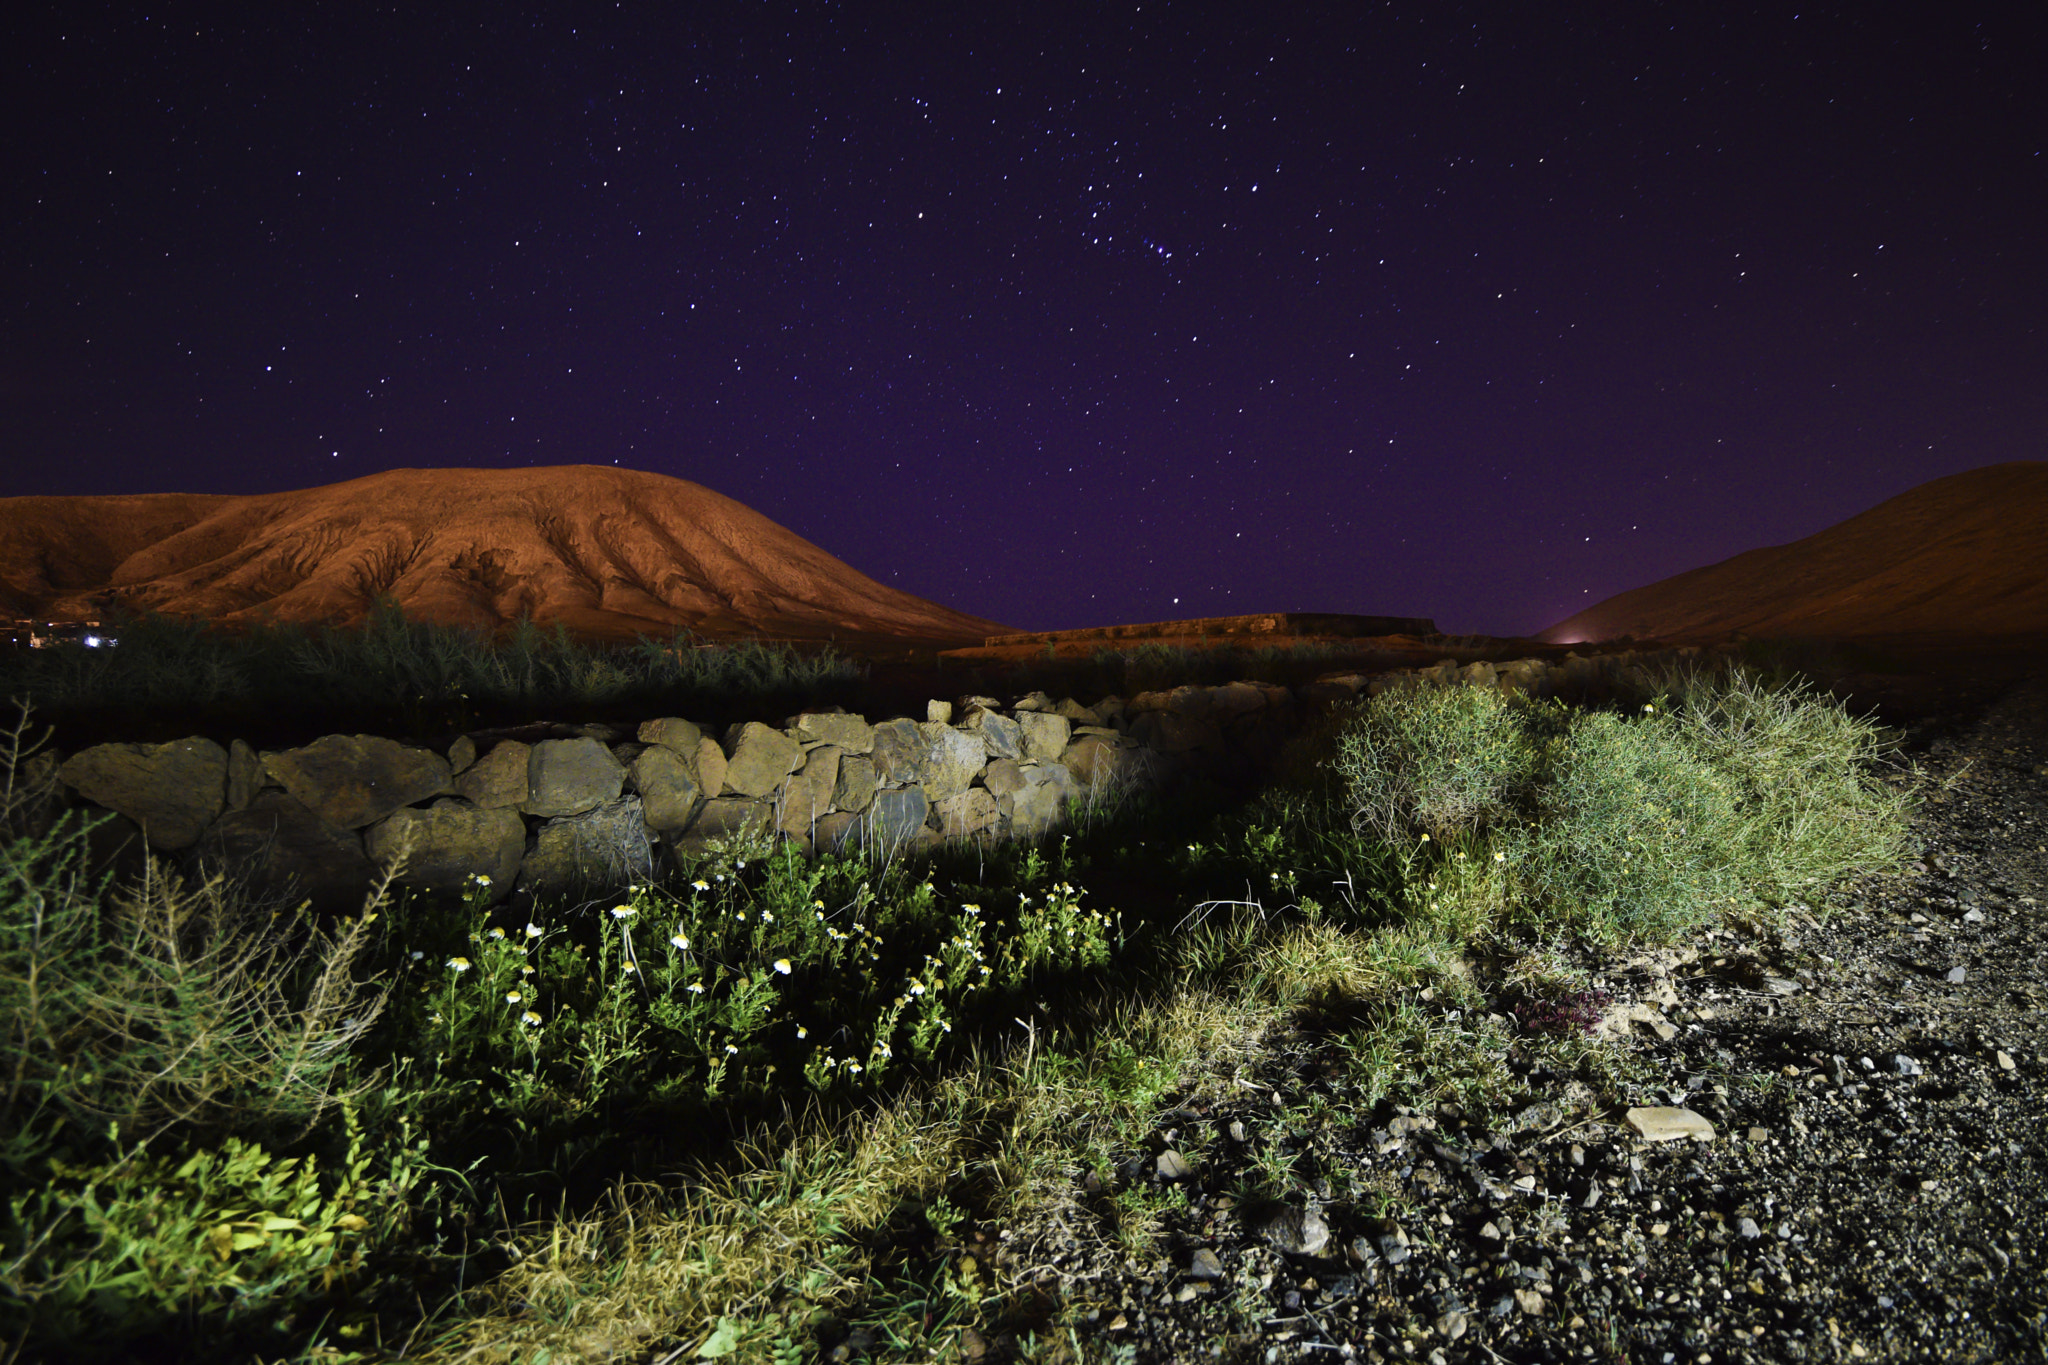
(607, 553)
(1962, 556)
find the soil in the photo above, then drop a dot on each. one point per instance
(1875, 1186)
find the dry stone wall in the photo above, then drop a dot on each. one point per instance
(554, 810)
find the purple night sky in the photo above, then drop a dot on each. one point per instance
(1058, 314)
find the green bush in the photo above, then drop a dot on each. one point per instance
(1436, 761)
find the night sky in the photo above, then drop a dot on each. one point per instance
(1061, 315)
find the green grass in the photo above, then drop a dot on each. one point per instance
(775, 1100)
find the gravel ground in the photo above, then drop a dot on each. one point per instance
(1875, 1186)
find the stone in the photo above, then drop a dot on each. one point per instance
(357, 780)
(1296, 1231)
(899, 751)
(1393, 1245)
(1204, 1265)
(857, 783)
(849, 734)
(832, 831)
(892, 821)
(1033, 701)
(281, 848)
(966, 814)
(461, 754)
(604, 848)
(1000, 736)
(1452, 1325)
(2005, 1061)
(673, 733)
(807, 797)
(1904, 1065)
(710, 766)
(1045, 735)
(670, 794)
(938, 712)
(567, 777)
(1042, 802)
(1664, 1123)
(953, 759)
(498, 779)
(245, 775)
(1530, 1302)
(174, 791)
(1171, 1165)
(758, 758)
(451, 840)
(1074, 713)
(1747, 1228)
(1956, 976)
(1174, 734)
(722, 818)
(1003, 777)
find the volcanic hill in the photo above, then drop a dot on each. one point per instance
(1964, 556)
(607, 553)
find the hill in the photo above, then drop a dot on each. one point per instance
(1961, 556)
(608, 553)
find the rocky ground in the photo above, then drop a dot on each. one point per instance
(1875, 1186)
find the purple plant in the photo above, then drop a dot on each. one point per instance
(1579, 1010)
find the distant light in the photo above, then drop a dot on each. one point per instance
(92, 642)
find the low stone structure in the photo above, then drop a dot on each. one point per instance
(556, 809)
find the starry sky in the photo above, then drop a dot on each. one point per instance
(1059, 314)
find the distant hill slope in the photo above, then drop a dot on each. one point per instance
(1965, 555)
(606, 552)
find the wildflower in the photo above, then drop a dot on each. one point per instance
(623, 912)
(782, 965)
(1425, 838)
(417, 955)
(741, 865)
(628, 966)
(530, 1019)
(532, 930)
(526, 970)
(497, 934)
(767, 917)
(731, 1050)
(700, 885)
(802, 1032)
(511, 997)
(681, 940)
(460, 964)
(970, 909)
(1500, 857)
(480, 879)
(434, 1018)
(696, 988)
(817, 905)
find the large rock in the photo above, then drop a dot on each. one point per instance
(604, 849)
(356, 780)
(892, 821)
(848, 734)
(1172, 733)
(498, 779)
(280, 847)
(245, 775)
(857, 783)
(953, 759)
(1040, 804)
(567, 777)
(451, 841)
(670, 794)
(760, 757)
(723, 817)
(967, 814)
(899, 751)
(807, 796)
(1000, 736)
(710, 766)
(172, 790)
(1003, 777)
(672, 732)
(1045, 735)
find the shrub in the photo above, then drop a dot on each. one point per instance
(1436, 761)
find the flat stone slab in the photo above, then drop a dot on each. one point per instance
(1664, 1123)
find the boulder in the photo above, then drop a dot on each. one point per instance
(1003, 777)
(357, 780)
(1000, 736)
(758, 759)
(1075, 713)
(172, 790)
(833, 832)
(603, 849)
(725, 817)
(245, 775)
(669, 791)
(566, 777)
(1041, 803)
(1033, 701)
(280, 847)
(672, 732)
(954, 758)
(856, 784)
(1172, 733)
(450, 841)
(710, 766)
(498, 779)
(899, 751)
(848, 734)
(893, 820)
(967, 814)
(461, 754)
(1045, 735)
(1100, 763)
(807, 796)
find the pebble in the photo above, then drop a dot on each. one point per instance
(1173, 1166)
(1665, 1123)
(1747, 1227)
(2005, 1061)
(1955, 976)
(1451, 1325)
(1904, 1065)
(1299, 1232)
(1204, 1265)
(1530, 1302)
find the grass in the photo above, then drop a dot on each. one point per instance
(776, 1104)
